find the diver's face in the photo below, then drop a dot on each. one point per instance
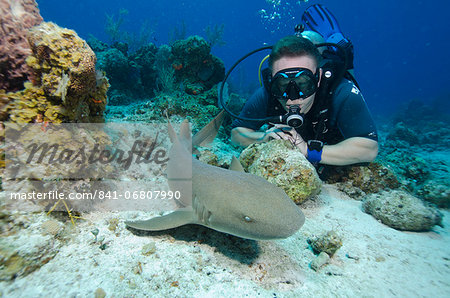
(297, 61)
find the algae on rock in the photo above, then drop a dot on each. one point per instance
(329, 242)
(65, 86)
(283, 166)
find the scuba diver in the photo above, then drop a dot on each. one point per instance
(311, 97)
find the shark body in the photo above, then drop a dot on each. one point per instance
(229, 201)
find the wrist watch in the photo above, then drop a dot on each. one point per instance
(314, 151)
(315, 145)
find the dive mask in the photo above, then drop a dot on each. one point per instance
(294, 83)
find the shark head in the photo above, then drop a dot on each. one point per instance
(262, 212)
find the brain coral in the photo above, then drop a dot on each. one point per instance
(65, 85)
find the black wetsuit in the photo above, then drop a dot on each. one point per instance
(348, 115)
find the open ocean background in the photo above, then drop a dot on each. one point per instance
(400, 46)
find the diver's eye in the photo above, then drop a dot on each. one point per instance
(247, 219)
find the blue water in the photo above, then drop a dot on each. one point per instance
(401, 46)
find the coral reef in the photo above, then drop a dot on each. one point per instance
(402, 211)
(428, 120)
(183, 70)
(416, 149)
(421, 123)
(131, 76)
(195, 66)
(115, 64)
(283, 166)
(358, 181)
(145, 58)
(403, 133)
(166, 73)
(436, 191)
(413, 156)
(65, 86)
(425, 176)
(178, 32)
(16, 18)
(324, 246)
(199, 109)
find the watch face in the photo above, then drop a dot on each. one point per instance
(315, 145)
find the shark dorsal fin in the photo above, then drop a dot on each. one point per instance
(207, 134)
(236, 165)
(184, 137)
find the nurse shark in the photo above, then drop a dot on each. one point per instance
(230, 201)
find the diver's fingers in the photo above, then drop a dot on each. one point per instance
(282, 127)
(275, 135)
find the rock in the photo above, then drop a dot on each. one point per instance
(402, 211)
(436, 191)
(208, 157)
(51, 227)
(113, 223)
(401, 132)
(20, 258)
(148, 249)
(65, 86)
(283, 166)
(372, 178)
(322, 259)
(329, 242)
(100, 293)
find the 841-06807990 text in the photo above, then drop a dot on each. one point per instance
(140, 195)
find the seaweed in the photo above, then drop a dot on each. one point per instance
(214, 35)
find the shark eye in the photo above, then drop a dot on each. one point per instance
(247, 219)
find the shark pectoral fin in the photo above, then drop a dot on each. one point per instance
(207, 134)
(172, 220)
(236, 165)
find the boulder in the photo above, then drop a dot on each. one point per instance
(285, 166)
(402, 211)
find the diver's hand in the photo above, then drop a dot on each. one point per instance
(277, 132)
(285, 132)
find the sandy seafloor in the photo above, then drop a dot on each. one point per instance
(374, 261)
